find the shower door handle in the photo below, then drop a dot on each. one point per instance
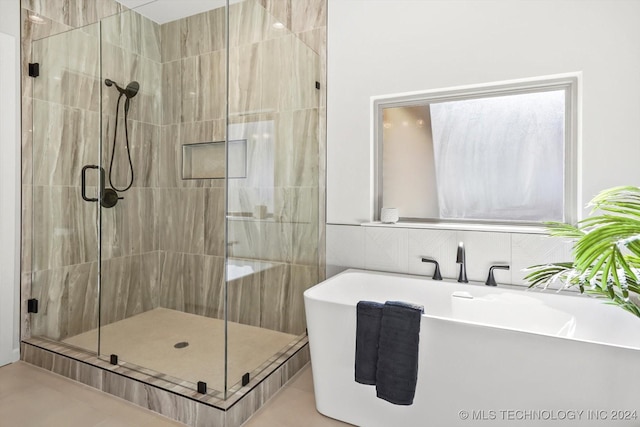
(84, 182)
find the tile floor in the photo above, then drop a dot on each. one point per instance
(30, 396)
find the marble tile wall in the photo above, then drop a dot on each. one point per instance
(272, 78)
(129, 286)
(192, 283)
(131, 257)
(285, 72)
(73, 13)
(61, 129)
(192, 212)
(68, 297)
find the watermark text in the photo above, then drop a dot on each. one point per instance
(548, 415)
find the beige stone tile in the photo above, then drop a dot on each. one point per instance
(115, 422)
(44, 406)
(288, 408)
(148, 421)
(307, 15)
(303, 380)
(279, 9)
(71, 390)
(192, 283)
(250, 23)
(245, 79)
(51, 400)
(86, 12)
(170, 40)
(214, 219)
(297, 149)
(65, 141)
(128, 415)
(171, 92)
(14, 380)
(316, 39)
(182, 220)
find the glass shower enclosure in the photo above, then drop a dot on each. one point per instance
(176, 190)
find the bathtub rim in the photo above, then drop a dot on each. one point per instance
(308, 294)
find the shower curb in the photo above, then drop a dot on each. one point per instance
(160, 393)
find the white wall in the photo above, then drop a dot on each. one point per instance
(9, 180)
(390, 46)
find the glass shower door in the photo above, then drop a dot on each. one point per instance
(131, 323)
(65, 149)
(273, 187)
(162, 298)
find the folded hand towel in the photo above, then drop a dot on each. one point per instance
(397, 369)
(368, 317)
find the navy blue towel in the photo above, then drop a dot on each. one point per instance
(368, 317)
(397, 370)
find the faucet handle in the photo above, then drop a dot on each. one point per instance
(436, 272)
(491, 281)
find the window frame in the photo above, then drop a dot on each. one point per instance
(570, 83)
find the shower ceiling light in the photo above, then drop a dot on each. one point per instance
(35, 18)
(278, 26)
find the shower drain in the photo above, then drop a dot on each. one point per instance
(181, 344)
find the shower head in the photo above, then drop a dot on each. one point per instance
(130, 91)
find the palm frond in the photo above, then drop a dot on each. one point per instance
(606, 251)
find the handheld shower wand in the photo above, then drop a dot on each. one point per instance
(129, 92)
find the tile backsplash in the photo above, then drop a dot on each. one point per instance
(400, 250)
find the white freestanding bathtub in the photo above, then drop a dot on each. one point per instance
(487, 356)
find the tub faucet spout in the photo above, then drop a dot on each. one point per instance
(461, 259)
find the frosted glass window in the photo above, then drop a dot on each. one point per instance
(495, 158)
(500, 158)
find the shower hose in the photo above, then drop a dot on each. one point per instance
(115, 140)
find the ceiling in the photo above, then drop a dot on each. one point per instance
(163, 11)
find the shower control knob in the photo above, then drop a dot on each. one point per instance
(110, 198)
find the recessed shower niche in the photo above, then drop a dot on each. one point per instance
(208, 160)
(217, 227)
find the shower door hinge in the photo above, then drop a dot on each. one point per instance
(32, 305)
(34, 69)
(202, 387)
(113, 359)
(245, 379)
(318, 85)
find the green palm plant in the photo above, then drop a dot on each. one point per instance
(606, 251)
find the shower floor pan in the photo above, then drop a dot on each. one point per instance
(149, 340)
